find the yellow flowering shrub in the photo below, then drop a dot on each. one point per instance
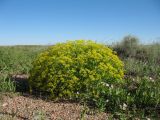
(66, 70)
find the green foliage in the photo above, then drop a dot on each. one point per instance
(144, 91)
(94, 68)
(15, 60)
(140, 60)
(127, 47)
(6, 85)
(134, 68)
(69, 70)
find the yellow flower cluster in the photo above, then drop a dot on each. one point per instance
(66, 69)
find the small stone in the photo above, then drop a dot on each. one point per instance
(4, 104)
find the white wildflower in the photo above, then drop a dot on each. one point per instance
(133, 79)
(107, 100)
(107, 85)
(124, 106)
(151, 79)
(148, 119)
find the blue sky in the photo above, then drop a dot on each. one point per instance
(52, 21)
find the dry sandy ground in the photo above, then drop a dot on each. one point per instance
(20, 107)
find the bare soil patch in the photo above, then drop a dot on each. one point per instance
(28, 108)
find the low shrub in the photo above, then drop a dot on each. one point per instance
(72, 69)
(145, 92)
(128, 47)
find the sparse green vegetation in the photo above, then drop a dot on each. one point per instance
(15, 60)
(137, 97)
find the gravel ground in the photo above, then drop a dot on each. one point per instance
(29, 108)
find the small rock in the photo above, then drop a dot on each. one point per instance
(4, 104)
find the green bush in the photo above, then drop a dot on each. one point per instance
(69, 70)
(128, 47)
(144, 92)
